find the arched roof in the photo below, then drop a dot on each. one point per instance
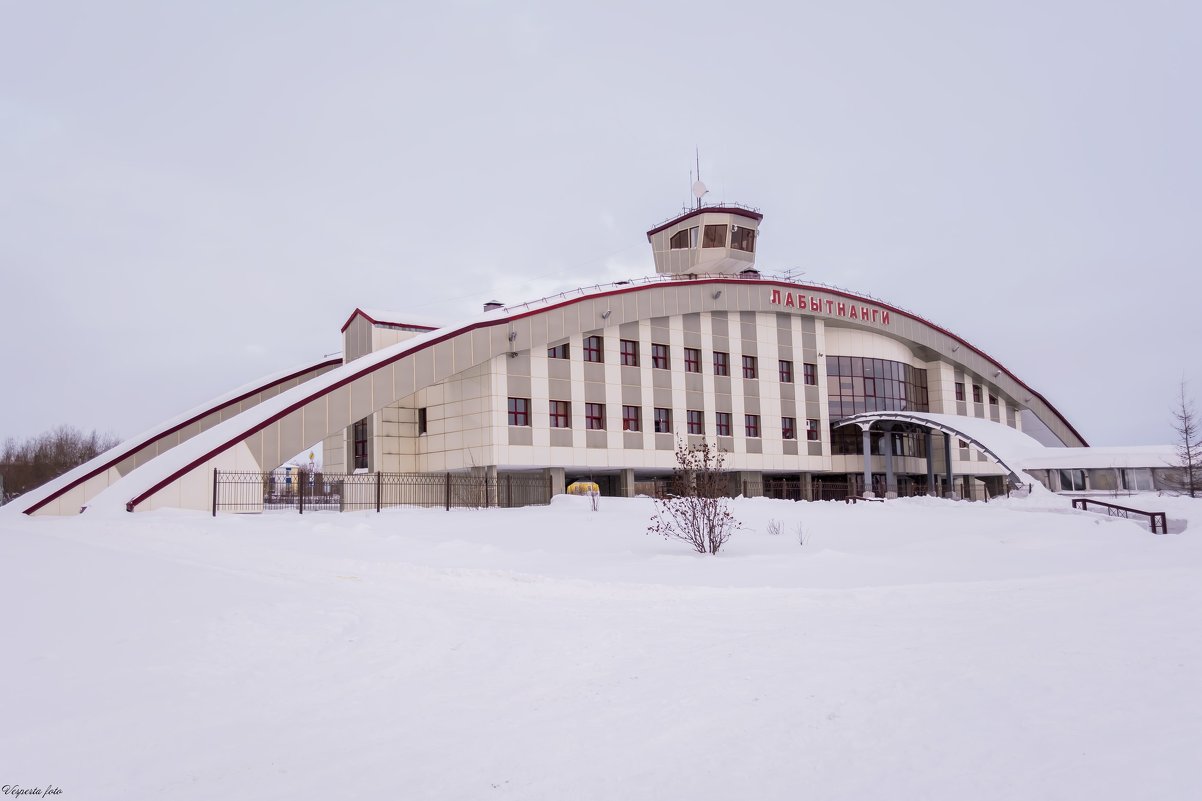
(262, 437)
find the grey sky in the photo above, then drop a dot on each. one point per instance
(195, 194)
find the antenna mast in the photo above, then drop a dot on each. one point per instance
(699, 190)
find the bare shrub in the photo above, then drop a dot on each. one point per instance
(697, 511)
(774, 528)
(801, 534)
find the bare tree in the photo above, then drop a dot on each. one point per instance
(696, 511)
(1189, 444)
(31, 463)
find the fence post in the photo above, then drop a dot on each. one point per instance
(377, 492)
(300, 492)
(214, 492)
(448, 492)
(509, 492)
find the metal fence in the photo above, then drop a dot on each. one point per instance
(249, 492)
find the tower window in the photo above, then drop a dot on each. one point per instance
(715, 236)
(742, 238)
(683, 240)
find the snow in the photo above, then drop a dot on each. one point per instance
(917, 648)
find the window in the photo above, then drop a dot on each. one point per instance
(696, 421)
(659, 356)
(632, 418)
(742, 238)
(594, 347)
(519, 411)
(561, 414)
(715, 236)
(809, 374)
(558, 352)
(359, 436)
(976, 393)
(594, 416)
(959, 390)
(811, 430)
(692, 360)
(1072, 480)
(786, 372)
(856, 384)
(992, 399)
(788, 427)
(721, 363)
(722, 423)
(629, 349)
(750, 369)
(682, 240)
(663, 421)
(753, 424)
(421, 420)
(963, 444)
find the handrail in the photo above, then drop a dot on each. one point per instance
(1114, 510)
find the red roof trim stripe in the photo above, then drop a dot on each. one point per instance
(139, 448)
(753, 215)
(506, 320)
(374, 321)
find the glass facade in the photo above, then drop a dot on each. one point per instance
(856, 384)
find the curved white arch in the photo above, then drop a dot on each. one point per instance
(262, 437)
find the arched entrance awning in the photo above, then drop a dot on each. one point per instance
(1008, 447)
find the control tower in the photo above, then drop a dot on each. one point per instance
(717, 239)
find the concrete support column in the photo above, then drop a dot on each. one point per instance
(930, 461)
(950, 488)
(807, 486)
(867, 461)
(626, 483)
(556, 477)
(890, 478)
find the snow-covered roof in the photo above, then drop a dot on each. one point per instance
(395, 318)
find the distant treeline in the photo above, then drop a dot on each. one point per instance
(32, 462)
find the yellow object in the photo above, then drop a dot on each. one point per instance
(583, 488)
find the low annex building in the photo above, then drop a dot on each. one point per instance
(813, 392)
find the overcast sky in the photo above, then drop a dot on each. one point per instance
(195, 194)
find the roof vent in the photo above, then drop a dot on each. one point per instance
(493, 305)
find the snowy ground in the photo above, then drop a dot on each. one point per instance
(914, 649)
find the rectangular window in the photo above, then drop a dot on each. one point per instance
(692, 360)
(722, 424)
(421, 420)
(561, 414)
(359, 436)
(663, 421)
(594, 416)
(786, 372)
(558, 352)
(809, 374)
(976, 393)
(811, 430)
(519, 411)
(629, 350)
(632, 418)
(721, 363)
(659, 356)
(750, 368)
(788, 427)
(753, 424)
(594, 348)
(715, 236)
(696, 421)
(742, 238)
(683, 240)
(992, 399)
(959, 390)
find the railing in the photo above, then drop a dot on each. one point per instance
(249, 492)
(1155, 519)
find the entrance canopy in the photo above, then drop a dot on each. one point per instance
(1010, 448)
